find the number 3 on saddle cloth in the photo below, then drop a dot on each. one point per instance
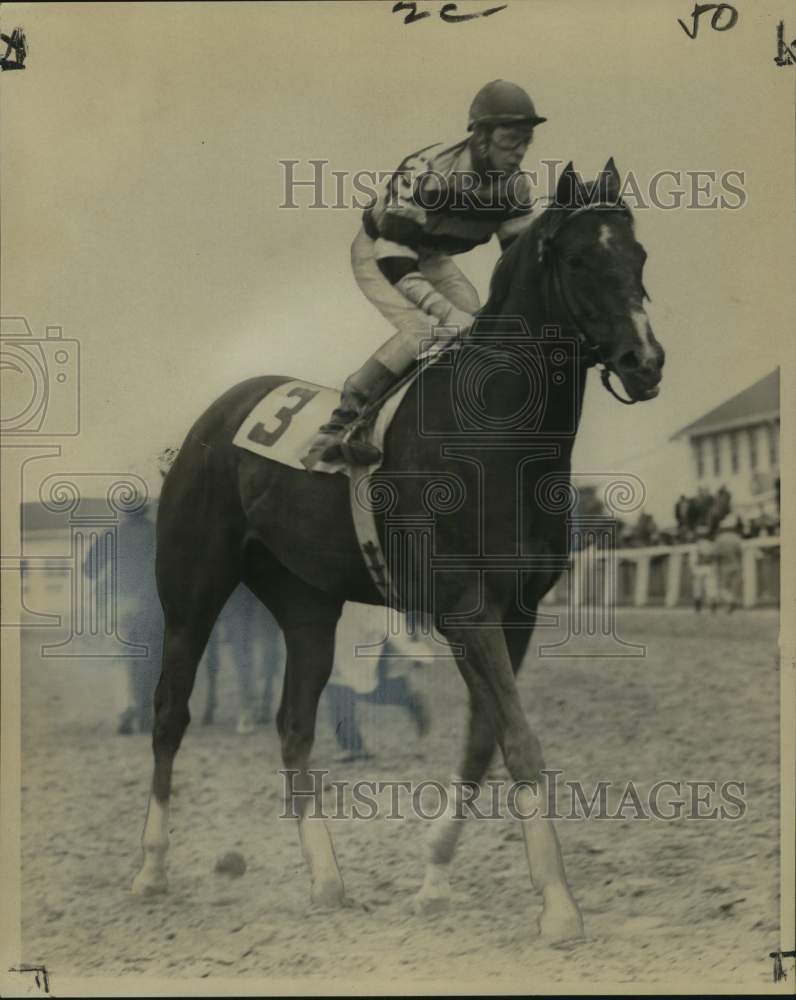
(285, 421)
(283, 425)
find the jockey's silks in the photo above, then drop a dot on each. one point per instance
(438, 202)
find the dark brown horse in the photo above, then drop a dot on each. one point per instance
(493, 425)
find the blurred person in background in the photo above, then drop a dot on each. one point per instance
(728, 556)
(704, 506)
(681, 515)
(704, 575)
(721, 505)
(646, 529)
(245, 636)
(139, 615)
(374, 677)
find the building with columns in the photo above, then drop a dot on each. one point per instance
(737, 444)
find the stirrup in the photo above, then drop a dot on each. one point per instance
(351, 451)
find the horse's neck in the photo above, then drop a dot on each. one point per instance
(528, 297)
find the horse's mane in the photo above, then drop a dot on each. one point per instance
(519, 260)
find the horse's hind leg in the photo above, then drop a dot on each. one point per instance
(212, 662)
(308, 618)
(194, 584)
(310, 655)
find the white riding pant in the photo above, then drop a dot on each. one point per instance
(412, 324)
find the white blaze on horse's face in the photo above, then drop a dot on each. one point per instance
(638, 315)
(612, 303)
(642, 325)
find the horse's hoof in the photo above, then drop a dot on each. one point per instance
(329, 894)
(147, 884)
(561, 923)
(426, 903)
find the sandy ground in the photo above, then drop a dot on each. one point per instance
(686, 904)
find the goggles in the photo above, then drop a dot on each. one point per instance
(510, 139)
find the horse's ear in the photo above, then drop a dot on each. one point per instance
(609, 182)
(568, 188)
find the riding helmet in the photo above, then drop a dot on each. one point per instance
(502, 103)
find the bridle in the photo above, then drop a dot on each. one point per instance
(593, 352)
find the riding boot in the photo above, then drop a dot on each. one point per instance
(360, 390)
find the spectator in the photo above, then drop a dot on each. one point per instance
(378, 679)
(646, 529)
(681, 510)
(728, 556)
(767, 522)
(139, 613)
(245, 636)
(704, 502)
(704, 576)
(720, 508)
(723, 503)
(693, 516)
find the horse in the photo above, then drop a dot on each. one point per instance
(228, 516)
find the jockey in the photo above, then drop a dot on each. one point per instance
(442, 200)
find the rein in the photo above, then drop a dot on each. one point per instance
(593, 351)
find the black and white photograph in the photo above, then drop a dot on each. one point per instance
(398, 420)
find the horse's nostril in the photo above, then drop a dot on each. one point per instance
(628, 361)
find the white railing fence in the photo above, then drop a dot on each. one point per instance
(661, 575)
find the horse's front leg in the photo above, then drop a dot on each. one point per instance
(436, 893)
(486, 667)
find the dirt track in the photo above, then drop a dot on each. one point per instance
(685, 902)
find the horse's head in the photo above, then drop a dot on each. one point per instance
(590, 253)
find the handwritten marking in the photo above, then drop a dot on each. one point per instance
(16, 43)
(447, 13)
(40, 973)
(779, 971)
(786, 54)
(719, 9)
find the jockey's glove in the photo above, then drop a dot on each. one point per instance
(422, 293)
(462, 321)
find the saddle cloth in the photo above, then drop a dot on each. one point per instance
(281, 427)
(285, 421)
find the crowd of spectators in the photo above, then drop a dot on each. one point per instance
(696, 517)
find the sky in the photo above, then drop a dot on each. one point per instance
(142, 184)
